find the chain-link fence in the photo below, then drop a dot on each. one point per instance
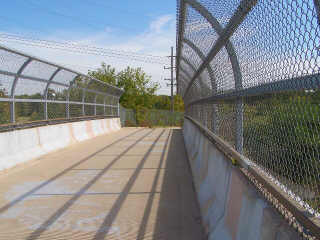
(160, 118)
(128, 117)
(32, 89)
(144, 117)
(249, 71)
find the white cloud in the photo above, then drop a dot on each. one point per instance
(155, 40)
(159, 23)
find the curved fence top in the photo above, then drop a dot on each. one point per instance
(249, 71)
(239, 45)
(23, 66)
(25, 78)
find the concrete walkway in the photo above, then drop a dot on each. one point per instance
(132, 184)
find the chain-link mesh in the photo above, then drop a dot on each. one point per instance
(249, 71)
(282, 136)
(144, 117)
(32, 89)
(128, 117)
(155, 117)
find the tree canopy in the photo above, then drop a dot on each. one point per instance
(139, 90)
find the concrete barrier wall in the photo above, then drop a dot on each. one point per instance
(20, 146)
(231, 207)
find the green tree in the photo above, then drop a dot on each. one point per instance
(163, 102)
(105, 73)
(139, 90)
(178, 103)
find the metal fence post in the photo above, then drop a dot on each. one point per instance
(239, 125)
(122, 115)
(95, 105)
(68, 106)
(118, 109)
(83, 98)
(13, 88)
(104, 106)
(46, 90)
(204, 115)
(12, 111)
(214, 122)
(45, 108)
(204, 109)
(181, 20)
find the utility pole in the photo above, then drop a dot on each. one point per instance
(171, 79)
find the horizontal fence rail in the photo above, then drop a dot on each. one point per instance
(33, 90)
(249, 71)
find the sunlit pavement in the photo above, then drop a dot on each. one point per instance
(131, 184)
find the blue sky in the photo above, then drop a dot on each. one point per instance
(44, 16)
(140, 26)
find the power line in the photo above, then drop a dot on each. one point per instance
(127, 53)
(84, 49)
(81, 66)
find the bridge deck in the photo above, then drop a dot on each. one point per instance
(132, 184)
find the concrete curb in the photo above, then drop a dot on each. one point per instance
(20, 146)
(231, 207)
